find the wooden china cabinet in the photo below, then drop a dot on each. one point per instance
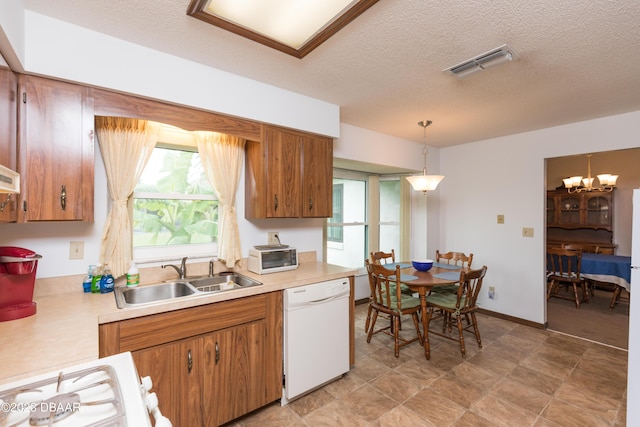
(288, 175)
(56, 150)
(581, 218)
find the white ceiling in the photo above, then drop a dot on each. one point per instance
(577, 60)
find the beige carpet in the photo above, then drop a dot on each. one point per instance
(593, 321)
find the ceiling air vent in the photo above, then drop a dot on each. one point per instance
(481, 62)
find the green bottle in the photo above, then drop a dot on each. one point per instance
(95, 279)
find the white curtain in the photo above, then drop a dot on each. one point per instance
(125, 145)
(221, 156)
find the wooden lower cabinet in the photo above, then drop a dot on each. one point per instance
(209, 364)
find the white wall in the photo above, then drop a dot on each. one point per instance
(507, 176)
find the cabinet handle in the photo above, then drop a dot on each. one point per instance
(63, 198)
(189, 361)
(275, 202)
(5, 203)
(310, 203)
(217, 353)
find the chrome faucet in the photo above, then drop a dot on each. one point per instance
(182, 270)
(211, 268)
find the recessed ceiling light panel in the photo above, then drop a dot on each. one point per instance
(295, 27)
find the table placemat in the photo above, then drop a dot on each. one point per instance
(392, 266)
(449, 275)
(404, 277)
(447, 266)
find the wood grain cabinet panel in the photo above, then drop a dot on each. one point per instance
(288, 175)
(56, 145)
(8, 138)
(209, 364)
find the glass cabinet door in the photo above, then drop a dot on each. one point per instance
(551, 210)
(570, 210)
(599, 210)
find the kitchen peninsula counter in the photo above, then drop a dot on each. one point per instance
(64, 331)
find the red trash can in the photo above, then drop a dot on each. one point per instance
(17, 279)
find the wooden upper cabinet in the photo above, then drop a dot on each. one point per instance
(282, 173)
(8, 134)
(288, 175)
(56, 140)
(317, 181)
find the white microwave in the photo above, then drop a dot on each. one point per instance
(264, 261)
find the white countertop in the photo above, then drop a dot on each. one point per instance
(64, 331)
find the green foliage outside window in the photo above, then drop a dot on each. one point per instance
(173, 202)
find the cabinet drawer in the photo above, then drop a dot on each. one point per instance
(142, 332)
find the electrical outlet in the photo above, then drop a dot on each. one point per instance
(527, 232)
(273, 238)
(492, 292)
(76, 250)
(500, 219)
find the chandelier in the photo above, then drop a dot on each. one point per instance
(425, 182)
(578, 184)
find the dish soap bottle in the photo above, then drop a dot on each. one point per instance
(106, 281)
(95, 279)
(86, 282)
(133, 276)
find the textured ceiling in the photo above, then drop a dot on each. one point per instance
(577, 60)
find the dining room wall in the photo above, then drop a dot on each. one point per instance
(507, 176)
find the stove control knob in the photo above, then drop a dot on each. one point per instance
(147, 384)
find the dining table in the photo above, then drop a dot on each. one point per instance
(613, 269)
(422, 282)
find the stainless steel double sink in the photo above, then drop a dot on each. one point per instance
(129, 297)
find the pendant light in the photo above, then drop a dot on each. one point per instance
(578, 184)
(425, 182)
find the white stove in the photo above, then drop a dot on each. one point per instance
(104, 392)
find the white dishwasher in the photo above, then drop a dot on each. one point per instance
(316, 336)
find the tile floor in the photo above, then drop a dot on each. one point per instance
(522, 376)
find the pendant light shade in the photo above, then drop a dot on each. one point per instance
(425, 182)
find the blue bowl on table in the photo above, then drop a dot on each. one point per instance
(422, 264)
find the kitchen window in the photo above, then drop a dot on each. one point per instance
(175, 212)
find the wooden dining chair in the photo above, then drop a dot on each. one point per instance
(381, 257)
(453, 258)
(454, 307)
(388, 299)
(563, 271)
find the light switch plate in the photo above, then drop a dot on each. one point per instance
(527, 231)
(500, 219)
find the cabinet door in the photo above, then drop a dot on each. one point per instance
(283, 174)
(570, 210)
(598, 210)
(56, 149)
(158, 364)
(551, 210)
(8, 134)
(176, 372)
(317, 177)
(234, 373)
